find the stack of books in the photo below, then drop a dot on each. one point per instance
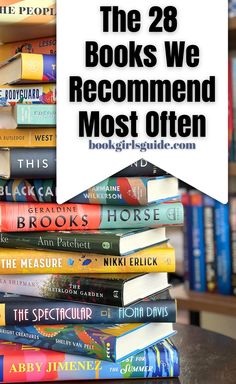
(93, 283)
(84, 285)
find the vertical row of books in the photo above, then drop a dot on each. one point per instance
(84, 285)
(210, 243)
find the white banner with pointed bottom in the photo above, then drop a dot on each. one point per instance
(142, 79)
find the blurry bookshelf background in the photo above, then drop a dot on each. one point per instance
(205, 282)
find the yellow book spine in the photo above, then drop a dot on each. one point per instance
(33, 138)
(2, 315)
(16, 261)
(32, 67)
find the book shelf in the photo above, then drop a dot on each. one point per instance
(207, 302)
(195, 302)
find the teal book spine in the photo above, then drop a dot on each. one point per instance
(37, 115)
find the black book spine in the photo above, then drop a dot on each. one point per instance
(79, 288)
(33, 163)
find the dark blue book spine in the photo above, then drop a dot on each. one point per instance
(198, 247)
(53, 312)
(223, 253)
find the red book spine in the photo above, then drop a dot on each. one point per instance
(48, 217)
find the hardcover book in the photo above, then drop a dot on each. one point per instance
(36, 93)
(23, 310)
(223, 251)
(114, 342)
(21, 190)
(28, 68)
(110, 289)
(26, 261)
(19, 20)
(130, 191)
(28, 138)
(54, 217)
(32, 163)
(45, 45)
(20, 364)
(114, 242)
(115, 191)
(28, 115)
(232, 213)
(198, 274)
(209, 239)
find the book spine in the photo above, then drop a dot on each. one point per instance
(233, 242)
(223, 254)
(187, 239)
(116, 191)
(106, 244)
(15, 138)
(39, 115)
(53, 217)
(230, 97)
(20, 190)
(30, 313)
(46, 45)
(36, 67)
(65, 287)
(36, 93)
(209, 239)
(33, 163)
(140, 168)
(72, 339)
(19, 364)
(198, 249)
(19, 261)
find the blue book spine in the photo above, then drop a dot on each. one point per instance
(198, 282)
(223, 253)
(98, 341)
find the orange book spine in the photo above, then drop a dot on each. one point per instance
(33, 138)
(45, 45)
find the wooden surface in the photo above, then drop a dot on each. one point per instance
(194, 301)
(205, 358)
(232, 166)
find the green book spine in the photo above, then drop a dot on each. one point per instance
(38, 115)
(89, 242)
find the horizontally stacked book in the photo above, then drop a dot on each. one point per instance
(93, 272)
